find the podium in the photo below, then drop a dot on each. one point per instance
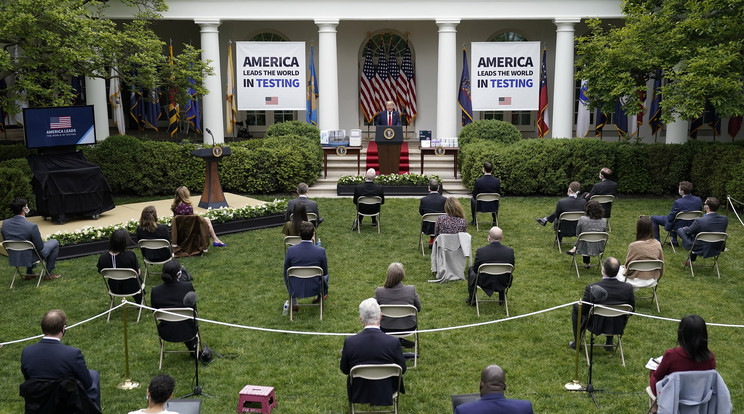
(388, 140)
(212, 196)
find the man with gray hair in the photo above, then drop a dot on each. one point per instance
(310, 205)
(493, 252)
(371, 346)
(368, 189)
(492, 387)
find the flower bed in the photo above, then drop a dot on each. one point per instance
(392, 184)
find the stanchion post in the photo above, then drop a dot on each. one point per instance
(575, 385)
(128, 384)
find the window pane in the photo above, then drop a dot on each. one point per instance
(255, 118)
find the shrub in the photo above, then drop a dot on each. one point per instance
(120, 158)
(491, 130)
(14, 182)
(10, 152)
(19, 163)
(294, 128)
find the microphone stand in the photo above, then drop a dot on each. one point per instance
(197, 389)
(589, 386)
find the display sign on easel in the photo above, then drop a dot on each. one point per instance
(271, 76)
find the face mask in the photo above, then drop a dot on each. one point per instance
(681, 193)
(600, 176)
(26, 210)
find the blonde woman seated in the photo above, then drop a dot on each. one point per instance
(593, 221)
(149, 228)
(453, 221)
(182, 207)
(394, 292)
(646, 247)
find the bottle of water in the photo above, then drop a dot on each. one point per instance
(318, 243)
(285, 309)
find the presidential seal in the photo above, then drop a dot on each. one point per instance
(341, 151)
(389, 133)
(439, 151)
(217, 152)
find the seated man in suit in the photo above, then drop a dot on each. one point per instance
(388, 117)
(432, 203)
(710, 222)
(172, 294)
(571, 203)
(688, 202)
(310, 205)
(19, 228)
(493, 252)
(604, 187)
(371, 346)
(608, 291)
(368, 188)
(51, 360)
(492, 387)
(305, 253)
(485, 184)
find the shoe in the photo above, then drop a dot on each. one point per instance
(30, 276)
(685, 263)
(216, 244)
(52, 276)
(320, 220)
(587, 267)
(409, 355)
(570, 252)
(317, 298)
(541, 220)
(295, 308)
(405, 343)
(470, 302)
(572, 344)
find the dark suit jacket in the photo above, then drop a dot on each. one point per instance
(617, 293)
(372, 346)
(712, 222)
(432, 203)
(495, 403)
(305, 253)
(604, 187)
(310, 205)
(51, 359)
(170, 295)
(487, 184)
(382, 118)
(688, 202)
(494, 252)
(368, 188)
(399, 294)
(566, 204)
(18, 228)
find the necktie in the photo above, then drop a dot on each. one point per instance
(390, 118)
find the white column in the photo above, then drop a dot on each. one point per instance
(212, 102)
(447, 87)
(328, 117)
(678, 131)
(563, 82)
(95, 94)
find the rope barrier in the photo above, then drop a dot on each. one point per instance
(734, 208)
(448, 328)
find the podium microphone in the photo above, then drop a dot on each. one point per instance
(210, 134)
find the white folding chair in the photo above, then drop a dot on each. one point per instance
(607, 311)
(682, 215)
(648, 266)
(376, 372)
(568, 218)
(306, 272)
(154, 245)
(174, 315)
(605, 200)
(368, 200)
(709, 237)
(403, 311)
(290, 241)
(121, 275)
(590, 237)
(427, 218)
(493, 270)
(20, 246)
(486, 197)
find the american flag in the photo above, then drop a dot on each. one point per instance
(367, 98)
(272, 100)
(543, 121)
(505, 100)
(392, 80)
(406, 70)
(381, 80)
(60, 122)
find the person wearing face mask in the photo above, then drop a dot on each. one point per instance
(687, 202)
(19, 228)
(604, 187)
(571, 203)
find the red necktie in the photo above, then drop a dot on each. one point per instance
(390, 118)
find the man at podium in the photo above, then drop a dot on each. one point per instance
(389, 117)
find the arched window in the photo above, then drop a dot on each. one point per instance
(523, 120)
(259, 121)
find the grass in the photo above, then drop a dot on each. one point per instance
(242, 284)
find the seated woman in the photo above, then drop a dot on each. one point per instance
(394, 292)
(299, 214)
(453, 221)
(593, 221)
(692, 354)
(119, 257)
(149, 228)
(646, 247)
(171, 294)
(182, 207)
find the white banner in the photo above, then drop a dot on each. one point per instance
(270, 76)
(505, 76)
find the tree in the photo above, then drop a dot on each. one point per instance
(698, 46)
(47, 42)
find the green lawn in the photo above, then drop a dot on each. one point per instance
(242, 284)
